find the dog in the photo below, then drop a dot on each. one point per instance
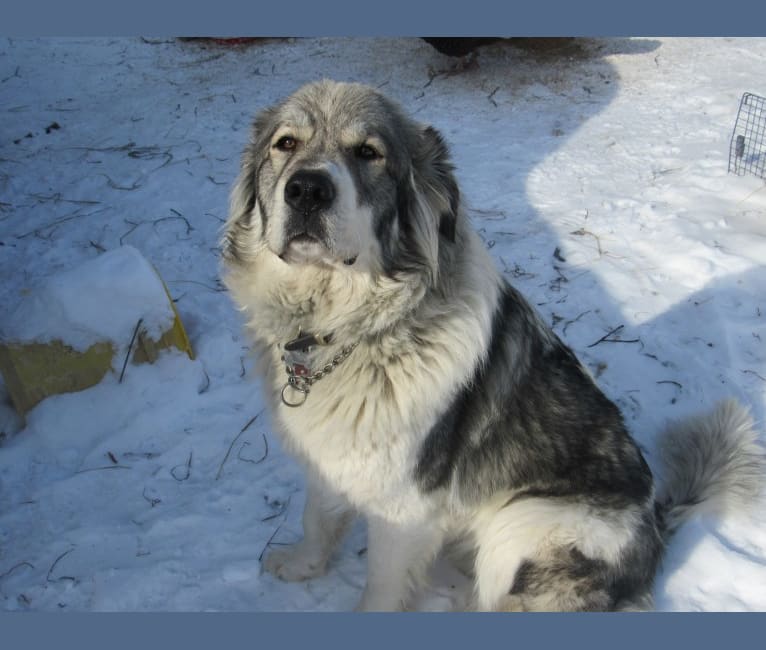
(422, 391)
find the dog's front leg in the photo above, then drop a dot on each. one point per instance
(325, 519)
(398, 556)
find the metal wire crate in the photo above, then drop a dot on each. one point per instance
(747, 151)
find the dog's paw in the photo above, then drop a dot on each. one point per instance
(294, 564)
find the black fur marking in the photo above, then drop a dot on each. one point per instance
(447, 225)
(402, 254)
(532, 419)
(383, 233)
(577, 582)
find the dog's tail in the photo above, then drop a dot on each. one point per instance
(711, 463)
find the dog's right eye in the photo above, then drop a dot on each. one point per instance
(286, 143)
(366, 152)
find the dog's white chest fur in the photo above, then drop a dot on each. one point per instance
(361, 431)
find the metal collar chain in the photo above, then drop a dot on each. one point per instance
(299, 375)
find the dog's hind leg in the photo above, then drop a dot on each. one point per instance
(398, 556)
(326, 517)
(561, 580)
(548, 554)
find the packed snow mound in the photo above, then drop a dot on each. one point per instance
(99, 300)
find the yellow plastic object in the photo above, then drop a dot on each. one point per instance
(148, 350)
(33, 371)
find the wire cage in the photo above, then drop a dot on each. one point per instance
(747, 151)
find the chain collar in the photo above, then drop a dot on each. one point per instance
(300, 376)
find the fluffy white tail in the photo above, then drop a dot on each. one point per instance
(710, 463)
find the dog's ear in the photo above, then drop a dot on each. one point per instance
(434, 171)
(244, 194)
(241, 206)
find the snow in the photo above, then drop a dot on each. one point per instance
(99, 300)
(595, 170)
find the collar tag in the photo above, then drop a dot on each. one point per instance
(298, 352)
(299, 370)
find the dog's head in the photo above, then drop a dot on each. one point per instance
(337, 176)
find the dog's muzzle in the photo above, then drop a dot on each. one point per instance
(309, 191)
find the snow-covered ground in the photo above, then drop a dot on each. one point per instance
(596, 171)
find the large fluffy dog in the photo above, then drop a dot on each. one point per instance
(422, 391)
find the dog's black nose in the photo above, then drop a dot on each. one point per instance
(309, 191)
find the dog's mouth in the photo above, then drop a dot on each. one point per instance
(304, 239)
(305, 248)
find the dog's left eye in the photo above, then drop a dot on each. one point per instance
(286, 143)
(366, 152)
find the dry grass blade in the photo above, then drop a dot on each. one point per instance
(233, 442)
(53, 566)
(14, 567)
(130, 347)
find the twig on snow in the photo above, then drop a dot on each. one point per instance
(153, 501)
(134, 224)
(555, 284)
(250, 460)
(218, 289)
(186, 466)
(670, 381)
(189, 227)
(581, 231)
(15, 74)
(574, 320)
(56, 197)
(37, 232)
(202, 389)
(121, 147)
(130, 347)
(233, 442)
(268, 543)
(151, 153)
(284, 508)
(606, 339)
(53, 566)
(14, 567)
(432, 74)
(98, 469)
(491, 96)
(674, 383)
(134, 186)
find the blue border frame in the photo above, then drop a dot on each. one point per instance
(371, 631)
(384, 18)
(393, 17)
